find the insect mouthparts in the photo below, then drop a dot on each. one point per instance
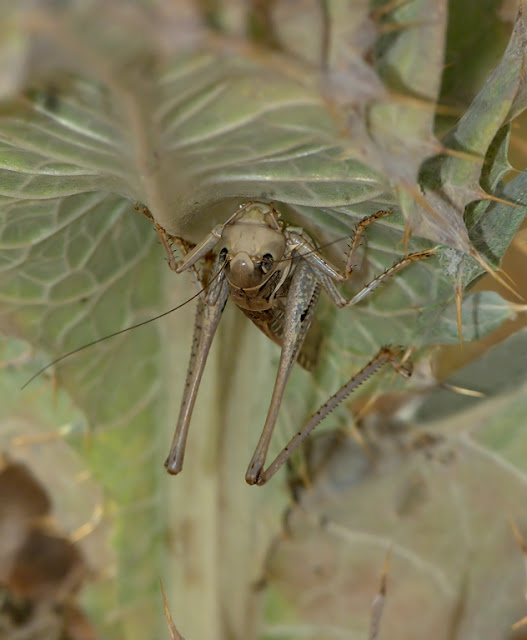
(242, 269)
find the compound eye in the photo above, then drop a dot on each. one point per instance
(267, 262)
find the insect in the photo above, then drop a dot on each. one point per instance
(274, 274)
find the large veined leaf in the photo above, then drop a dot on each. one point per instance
(192, 126)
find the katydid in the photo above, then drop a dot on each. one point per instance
(274, 274)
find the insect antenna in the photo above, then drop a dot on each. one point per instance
(117, 333)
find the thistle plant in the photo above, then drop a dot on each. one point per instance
(332, 111)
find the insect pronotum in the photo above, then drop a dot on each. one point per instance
(274, 274)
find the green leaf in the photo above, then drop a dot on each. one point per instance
(491, 234)
(476, 39)
(453, 181)
(481, 313)
(488, 112)
(499, 371)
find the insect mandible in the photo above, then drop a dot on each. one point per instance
(274, 274)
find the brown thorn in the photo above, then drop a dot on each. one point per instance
(459, 313)
(392, 27)
(519, 538)
(462, 391)
(460, 155)
(488, 196)
(174, 633)
(417, 102)
(492, 273)
(520, 623)
(407, 235)
(380, 599)
(420, 199)
(89, 527)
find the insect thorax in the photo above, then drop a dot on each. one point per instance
(263, 297)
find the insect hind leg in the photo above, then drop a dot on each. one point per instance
(391, 355)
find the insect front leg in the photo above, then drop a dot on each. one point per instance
(191, 254)
(357, 237)
(300, 307)
(209, 242)
(165, 238)
(342, 302)
(328, 275)
(385, 355)
(298, 243)
(208, 317)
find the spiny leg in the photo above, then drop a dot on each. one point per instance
(385, 355)
(357, 237)
(325, 274)
(328, 274)
(342, 302)
(165, 238)
(299, 312)
(299, 244)
(208, 317)
(184, 247)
